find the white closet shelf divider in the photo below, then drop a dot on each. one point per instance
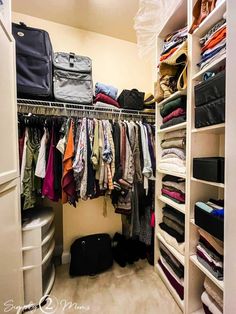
(170, 288)
(211, 67)
(172, 97)
(168, 201)
(219, 185)
(219, 283)
(176, 127)
(211, 19)
(212, 129)
(176, 254)
(172, 173)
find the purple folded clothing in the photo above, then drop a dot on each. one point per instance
(175, 284)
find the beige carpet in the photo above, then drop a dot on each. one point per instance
(135, 289)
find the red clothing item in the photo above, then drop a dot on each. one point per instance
(174, 114)
(175, 195)
(106, 99)
(218, 37)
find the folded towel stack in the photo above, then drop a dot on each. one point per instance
(213, 44)
(212, 298)
(210, 253)
(173, 188)
(106, 96)
(173, 112)
(173, 270)
(173, 153)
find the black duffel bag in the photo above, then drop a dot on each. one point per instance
(91, 255)
(131, 99)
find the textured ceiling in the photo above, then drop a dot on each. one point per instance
(109, 17)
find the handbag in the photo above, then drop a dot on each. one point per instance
(131, 99)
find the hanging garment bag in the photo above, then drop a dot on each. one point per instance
(73, 78)
(91, 255)
(33, 61)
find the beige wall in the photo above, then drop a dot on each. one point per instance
(115, 62)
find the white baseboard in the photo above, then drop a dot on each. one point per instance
(65, 259)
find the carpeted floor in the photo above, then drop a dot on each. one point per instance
(135, 289)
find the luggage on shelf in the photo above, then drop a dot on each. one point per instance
(209, 169)
(91, 255)
(33, 61)
(131, 99)
(72, 78)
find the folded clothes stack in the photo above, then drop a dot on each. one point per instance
(212, 298)
(173, 152)
(213, 44)
(172, 42)
(210, 254)
(173, 270)
(214, 207)
(173, 112)
(105, 96)
(173, 188)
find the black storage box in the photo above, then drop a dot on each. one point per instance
(209, 169)
(91, 255)
(210, 90)
(210, 101)
(210, 223)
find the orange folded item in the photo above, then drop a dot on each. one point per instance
(166, 55)
(218, 37)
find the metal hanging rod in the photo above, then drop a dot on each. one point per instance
(61, 108)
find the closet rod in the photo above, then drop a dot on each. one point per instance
(28, 104)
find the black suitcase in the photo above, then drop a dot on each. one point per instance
(209, 169)
(33, 61)
(91, 255)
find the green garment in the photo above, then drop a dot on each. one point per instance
(167, 108)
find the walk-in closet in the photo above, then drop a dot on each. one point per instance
(117, 164)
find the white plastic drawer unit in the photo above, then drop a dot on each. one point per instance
(38, 247)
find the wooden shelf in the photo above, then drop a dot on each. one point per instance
(219, 283)
(173, 96)
(219, 185)
(211, 19)
(211, 67)
(176, 254)
(212, 129)
(170, 288)
(166, 200)
(176, 127)
(172, 173)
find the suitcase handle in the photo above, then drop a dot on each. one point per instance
(71, 59)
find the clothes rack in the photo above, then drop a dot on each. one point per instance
(79, 110)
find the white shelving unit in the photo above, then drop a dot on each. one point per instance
(38, 247)
(214, 140)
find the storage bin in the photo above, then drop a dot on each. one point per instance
(210, 90)
(210, 223)
(209, 169)
(210, 114)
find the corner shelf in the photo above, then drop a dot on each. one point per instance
(172, 97)
(166, 200)
(176, 254)
(217, 282)
(176, 127)
(211, 67)
(219, 185)
(170, 288)
(211, 19)
(212, 129)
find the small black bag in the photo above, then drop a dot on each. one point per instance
(91, 255)
(131, 99)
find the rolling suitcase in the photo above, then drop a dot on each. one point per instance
(72, 78)
(91, 255)
(33, 61)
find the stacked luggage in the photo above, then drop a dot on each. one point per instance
(42, 74)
